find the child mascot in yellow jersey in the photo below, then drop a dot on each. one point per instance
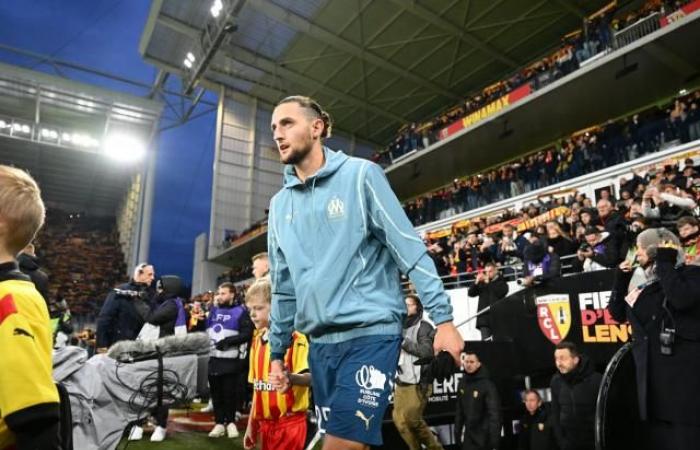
(278, 414)
(29, 403)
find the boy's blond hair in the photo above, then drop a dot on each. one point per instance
(21, 209)
(257, 256)
(260, 289)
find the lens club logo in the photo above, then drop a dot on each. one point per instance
(554, 316)
(335, 208)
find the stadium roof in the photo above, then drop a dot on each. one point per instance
(54, 127)
(373, 64)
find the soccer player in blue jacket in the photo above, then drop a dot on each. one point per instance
(337, 239)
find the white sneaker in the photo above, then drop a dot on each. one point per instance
(135, 434)
(208, 408)
(218, 431)
(158, 434)
(231, 430)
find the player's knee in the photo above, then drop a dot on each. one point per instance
(331, 442)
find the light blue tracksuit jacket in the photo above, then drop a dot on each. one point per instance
(336, 243)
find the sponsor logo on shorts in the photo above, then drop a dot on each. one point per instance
(364, 418)
(371, 382)
(370, 378)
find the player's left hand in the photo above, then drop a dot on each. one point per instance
(278, 377)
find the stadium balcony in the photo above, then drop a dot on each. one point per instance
(649, 66)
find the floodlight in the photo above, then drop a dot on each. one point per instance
(124, 147)
(190, 56)
(47, 133)
(19, 128)
(3, 124)
(216, 8)
(187, 63)
(66, 137)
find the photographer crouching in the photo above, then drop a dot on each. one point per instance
(664, 311)
(125, 309)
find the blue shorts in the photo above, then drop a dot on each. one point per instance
(352, 382)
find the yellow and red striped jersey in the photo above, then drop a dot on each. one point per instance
(268, 403)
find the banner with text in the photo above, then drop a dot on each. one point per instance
(487, 111)
(680, 13)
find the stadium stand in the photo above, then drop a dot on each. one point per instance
(585, 151)
(606, 31)
(83, 259)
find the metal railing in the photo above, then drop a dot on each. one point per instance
(637, 30)
(512, 272)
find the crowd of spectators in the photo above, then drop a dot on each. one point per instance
(594, 38)
(584, 152)
(82, 257)
(588, 234)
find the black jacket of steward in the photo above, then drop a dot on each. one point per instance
(536, 432)
(29, 265)
(668, 387)
(478, 412)
(488, 293)
(574, 398)
(122, 316)
(164, 314)
(164, 309)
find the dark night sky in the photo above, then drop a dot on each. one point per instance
(104, 34)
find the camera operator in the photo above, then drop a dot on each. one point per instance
(664, 312)
(599, 252)
(125, 309)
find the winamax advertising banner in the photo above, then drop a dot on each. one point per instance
(680, 13)
(487, 111)
(527, 325)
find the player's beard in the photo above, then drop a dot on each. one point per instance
(297, 154)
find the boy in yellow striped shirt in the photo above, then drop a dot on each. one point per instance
(278, 416)
(29, 403)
